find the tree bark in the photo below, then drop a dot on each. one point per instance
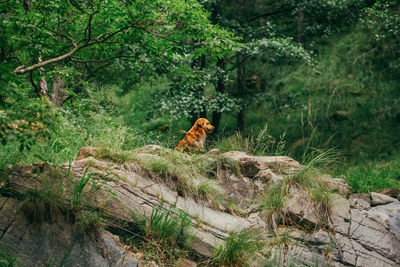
(241, 86)
(27, 5)
(43, 91)
(21, 69)
(58, 92)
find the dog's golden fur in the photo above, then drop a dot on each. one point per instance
(196, 136)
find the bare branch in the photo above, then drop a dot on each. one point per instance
(21, 69)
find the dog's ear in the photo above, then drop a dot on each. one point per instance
(199, 124)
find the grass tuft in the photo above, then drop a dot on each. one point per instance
(308, 180)
(44, 206)
(164, 237)
(238, 249)
(261, 143)
(77, 195)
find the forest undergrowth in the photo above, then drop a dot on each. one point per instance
(333, 112)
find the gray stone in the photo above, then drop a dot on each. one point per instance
(301, 208)
(250, 165)
(44, 244)
(394, 224)
(360, 201)
(380, 199)
(213, 151)
(357, 234)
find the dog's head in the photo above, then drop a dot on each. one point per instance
(205, 124)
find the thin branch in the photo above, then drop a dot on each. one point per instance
(112, 34)
(60, 34)
(96, 60)
(15, 58)
(238, 63)
(76, 5)
(140, 26)
(88, 29)
(33, 82)
(89, 70)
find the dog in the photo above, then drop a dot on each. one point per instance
(196, 137)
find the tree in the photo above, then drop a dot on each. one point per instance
(82, 37)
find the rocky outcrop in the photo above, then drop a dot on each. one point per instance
(357, 232)
(44, 244)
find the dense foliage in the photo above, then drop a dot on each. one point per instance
(316, 73)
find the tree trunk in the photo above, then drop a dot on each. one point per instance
(300, 26)
(43, 88)
(27, 5)
(216, 116)
(241, 85)
(58, 92)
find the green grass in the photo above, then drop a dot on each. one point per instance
(88, 221)
(309, 179)
(45, 205)
(238, 249)
(7, 258)
(60, 199)
(115, 155)
(80, 185)
(186, 173)
(369, 176)
(261, 143)
(272, 201)
(163, 237)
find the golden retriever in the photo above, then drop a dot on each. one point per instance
(196, 137)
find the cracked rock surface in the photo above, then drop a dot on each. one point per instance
(359, 232)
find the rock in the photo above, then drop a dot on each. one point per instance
(355, 234)
(251, 165)
(301, 209)
(87, 152)
(49, 243)
(186, 263)
(266, 175)
(392, 192)
(336, 184)
(360, 201)
(236, 187)
(380, 199)
(394, 224)
(340, 214)
(152, 149)
(213, 151)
